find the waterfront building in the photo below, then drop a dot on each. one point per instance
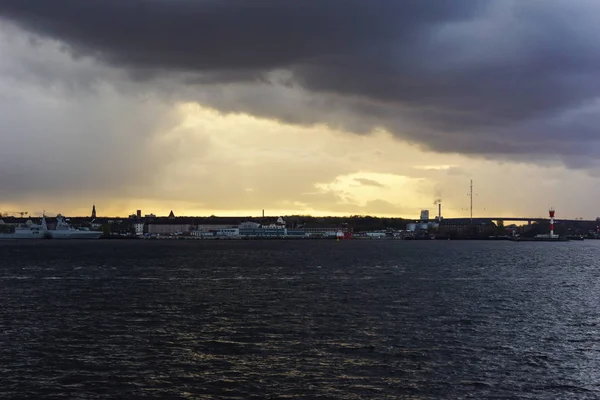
(198, 233)
(376, 234)
(262, 232)
(170, 226)
(295, 233)
(228, 232)
(249, 225)
(466, 227)
(138, 227)
(325, 230)
(213, 227)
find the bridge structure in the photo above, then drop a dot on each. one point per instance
(499, 220)
(529, 220)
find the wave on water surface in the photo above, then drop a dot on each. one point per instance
(354, 320)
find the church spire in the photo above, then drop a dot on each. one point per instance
(94, 211)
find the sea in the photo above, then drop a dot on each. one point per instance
(278, 319)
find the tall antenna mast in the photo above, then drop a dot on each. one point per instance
(471, 198)
(471, 195)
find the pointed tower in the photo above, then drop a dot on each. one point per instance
(171, 215)
(94, 211)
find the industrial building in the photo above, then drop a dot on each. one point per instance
(467, 226)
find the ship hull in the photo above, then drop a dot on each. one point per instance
(33, 231)
(20, 236)
(51, 235)
(61, 235)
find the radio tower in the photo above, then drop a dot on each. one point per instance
(471, 196)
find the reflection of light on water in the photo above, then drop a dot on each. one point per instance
(431, 322)
(17, 277)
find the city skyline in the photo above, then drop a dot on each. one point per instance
(434, 213)
(373, 111)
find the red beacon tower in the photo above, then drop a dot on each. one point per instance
(551, 212)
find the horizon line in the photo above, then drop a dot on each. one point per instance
(303, 215)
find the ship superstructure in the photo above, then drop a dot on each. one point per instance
(31, 230)
(25, 231)
(65, 231)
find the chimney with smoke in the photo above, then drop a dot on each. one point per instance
(438, 201)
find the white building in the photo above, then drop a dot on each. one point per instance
(212, 227)
(228, 232)
(138, 228)
(376, 234)
(198, 233)
(249, 225)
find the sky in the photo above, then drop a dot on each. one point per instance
(323, 107)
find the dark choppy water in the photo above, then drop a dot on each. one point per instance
(330, 320)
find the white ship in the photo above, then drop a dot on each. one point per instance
(41, 231)
(64, 231)
(25, 231)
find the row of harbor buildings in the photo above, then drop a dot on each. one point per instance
(208, 227)
(150, 225)
(245, 229)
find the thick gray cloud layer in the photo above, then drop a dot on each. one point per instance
(228, 34)
(479, 77)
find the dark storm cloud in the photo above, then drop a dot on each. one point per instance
(226, 34)
(478, 77)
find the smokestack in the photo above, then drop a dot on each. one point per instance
(440, 212)
(263, 213)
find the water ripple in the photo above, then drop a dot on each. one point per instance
(328, 320)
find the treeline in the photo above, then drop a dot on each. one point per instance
(357, 222)
(561, 228)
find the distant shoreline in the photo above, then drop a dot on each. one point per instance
(266, 238)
